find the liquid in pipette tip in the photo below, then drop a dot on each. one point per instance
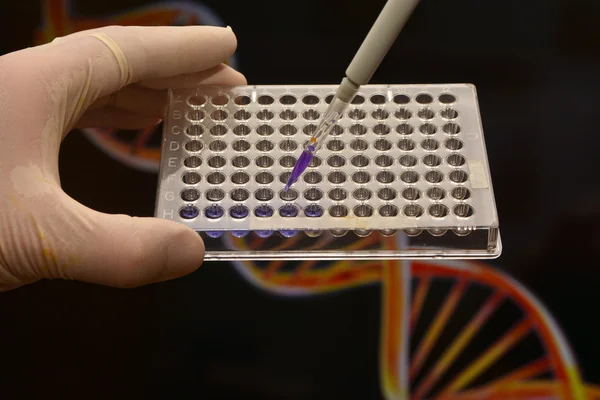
(301, 165)
(330, 119)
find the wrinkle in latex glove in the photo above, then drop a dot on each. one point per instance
(109, 77)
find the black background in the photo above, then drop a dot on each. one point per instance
(535, 64)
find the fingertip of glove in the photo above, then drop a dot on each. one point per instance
(239, 78)
(224, 36)
(226, 30)
(185, 253)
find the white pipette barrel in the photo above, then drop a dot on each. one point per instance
(374, 48)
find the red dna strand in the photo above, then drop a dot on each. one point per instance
(434, 346)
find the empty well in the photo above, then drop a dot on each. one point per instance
(403, 174)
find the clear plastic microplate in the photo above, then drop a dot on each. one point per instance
(403, 175)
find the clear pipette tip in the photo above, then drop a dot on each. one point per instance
(331, 117)
(300, 166)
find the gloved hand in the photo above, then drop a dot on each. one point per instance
(110, 77)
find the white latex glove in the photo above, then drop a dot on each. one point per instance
(110, 77)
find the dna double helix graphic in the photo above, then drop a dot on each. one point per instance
(440, 337)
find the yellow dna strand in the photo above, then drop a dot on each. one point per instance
(444, 331)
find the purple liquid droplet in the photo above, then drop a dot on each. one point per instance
(263, 211)
(214, 234)
(264, 234)
(239, 234)
(238, 212)
(189, 212)
(288, 211)
(214, 212)
(289, 233)
(313, 210)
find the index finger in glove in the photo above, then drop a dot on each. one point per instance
(120, 56)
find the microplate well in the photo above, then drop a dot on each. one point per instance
(404, 174)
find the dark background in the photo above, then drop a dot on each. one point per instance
(535, 64)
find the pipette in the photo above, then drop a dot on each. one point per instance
(380, 38)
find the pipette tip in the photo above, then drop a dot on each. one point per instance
(300, 166)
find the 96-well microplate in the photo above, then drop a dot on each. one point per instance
(404, 174)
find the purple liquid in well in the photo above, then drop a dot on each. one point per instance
(264, 234)
(214, 212)
(263, 211)
(239, 234)
(214, 234)
(313, 210)
(288, 211)
(289, 233)
(238, 212)
(189, 212)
